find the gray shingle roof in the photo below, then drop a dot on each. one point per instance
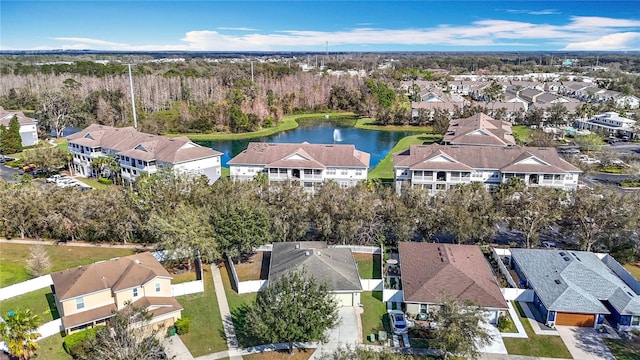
(334, 266)
(575, 281)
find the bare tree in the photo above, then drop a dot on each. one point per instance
(39, 262)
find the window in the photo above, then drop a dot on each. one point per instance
(343, 172)
(308, 171)
(344, 184)
(135, 292)
(139, 162)
(80, 303)
(441, 186)
(331, 171)
(158, 287)
(358, 172)
(441, 176)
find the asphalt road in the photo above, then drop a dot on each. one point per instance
(625, 147)
(7, 173)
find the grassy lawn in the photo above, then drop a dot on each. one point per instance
(183, 277)
(51, 349)
(384, 170)
(624, 349)
(633, 269)
(238, 305)
(40, 302)
(368, 124)
(535, 345)
(521, 133)
(94, 183)
(251, 268)
(302, 354)
(13, 259)
(225, 172)
(369, 265)
(206, 335)
(375, 316)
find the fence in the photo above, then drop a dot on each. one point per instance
(49, 329)
(251, 286)
(191, 287)
(510, 294)
(621, 272)
(498, 254)
(371, 284)
(360, 249)
(389, 295)
(25, 287)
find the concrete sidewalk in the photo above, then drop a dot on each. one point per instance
(175, 348)
(225, 313)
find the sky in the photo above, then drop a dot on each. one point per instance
(356, 25)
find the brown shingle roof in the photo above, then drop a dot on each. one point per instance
(129, 142)
(315, 155)
(460, 271)
(117, 274)
(479, 129)
(6, 116)
(525, 159)
(84, 317)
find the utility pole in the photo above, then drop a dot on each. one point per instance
(252, 71)
(133, 100)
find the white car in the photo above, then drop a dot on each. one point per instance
(55, 178)
(69, 182)
(398, 321)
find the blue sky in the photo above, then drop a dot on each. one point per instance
(312, 25)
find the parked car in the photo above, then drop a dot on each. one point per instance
(398, 322)
(55, 178)
(69, 182)
(625, 138)
(6, 159)
(549, 244)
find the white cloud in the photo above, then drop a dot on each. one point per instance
(618, 41)
(534, 12)
(579, 33)
(236, 28)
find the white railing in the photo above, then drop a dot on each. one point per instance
(25, 287)
(191, 287)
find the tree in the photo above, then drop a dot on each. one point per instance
(39, 262)
(47, 158)
(10, 140)
(440, 121)
(467, 212)
(295, 307)
(599, 215)
(558, 114)
(459, 331)
(361, 353)
(18, 331)
(532, 210)
(128, 335)
(60, 110)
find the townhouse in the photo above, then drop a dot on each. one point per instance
(140, 153)
(610, 122)
(309, 164)
(28, 126)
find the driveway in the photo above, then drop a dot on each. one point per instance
(496, 346)
(584, 343)
(346, 333)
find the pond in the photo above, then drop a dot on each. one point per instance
(320, 131)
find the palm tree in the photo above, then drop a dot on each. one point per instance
(18, 331)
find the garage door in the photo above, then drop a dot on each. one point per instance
(344, 299)
(575, 319)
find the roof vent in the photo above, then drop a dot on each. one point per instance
(630, 294)
(297, 246)
(566, 258)
(137, 261)
(307, 253)
(319, 253)
(556, 281)
(443, 259)
(562, 253)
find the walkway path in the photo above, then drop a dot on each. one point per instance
(225, 313)
(72, 243)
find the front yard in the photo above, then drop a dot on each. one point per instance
(13, 258)
(624, 349)
(536, 345)
(206, 334)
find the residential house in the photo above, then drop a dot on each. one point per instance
(440, 167)
(87, 296)
(530, 95)
(28, 126)
(479, 129)
(309, 164)
(609, 122)
(431, 271)
(579, 288)
(628, 101)
(334, 266)
(140, 153)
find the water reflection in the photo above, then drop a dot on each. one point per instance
(376, 143)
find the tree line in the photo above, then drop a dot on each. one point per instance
(176, 212)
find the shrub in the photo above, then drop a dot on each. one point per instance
(105, 181)
(183, 325)
(76, 344)
(14, 163)
(504, 323)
